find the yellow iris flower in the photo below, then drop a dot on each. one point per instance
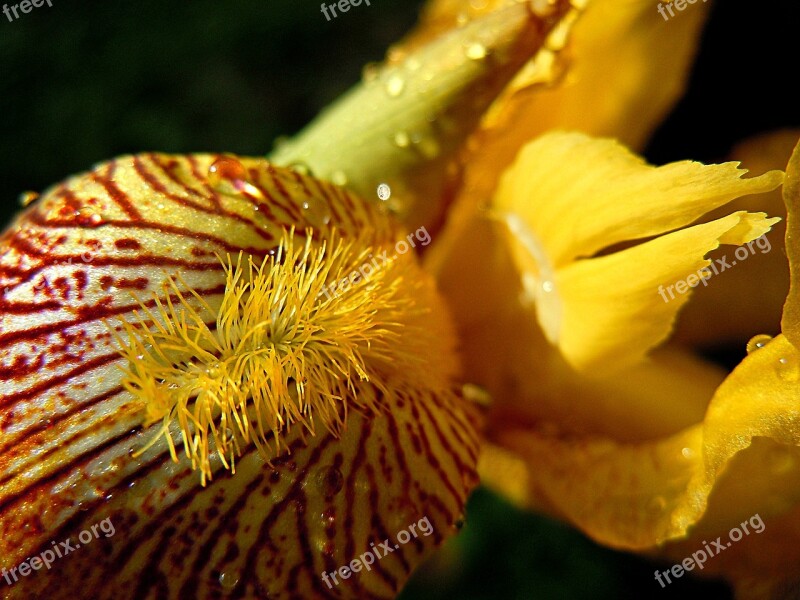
(241, 363)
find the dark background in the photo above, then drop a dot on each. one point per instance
(83, 81)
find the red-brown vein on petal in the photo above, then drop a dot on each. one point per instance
(43, 486)
(189, 588)
(21, 308)
(272, 516)
(378, 526)
(444, 442)
(114, 192)
(308, 563)
(359, 458)
(172, 164)
(152, 181)
(87, 314)
(202, 179)
(33, 433)
(70, 438)
(290, 207)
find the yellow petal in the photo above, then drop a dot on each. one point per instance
(761, 283)
(529, 381)
(611, 318)
(569, 196)
(71, 265)
(790, 324)
(580, 195)
(743, 459)
(624, 67)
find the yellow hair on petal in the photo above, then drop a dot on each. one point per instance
(288, 346)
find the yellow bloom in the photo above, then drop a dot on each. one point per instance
(206, 351)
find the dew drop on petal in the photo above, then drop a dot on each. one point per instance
(329, 481)
(758, 342)
(370, 72)
(476, 51)
(395, 86)
(384, 191)
(229, 579)
(302, 168)
(316, 212)
(401, 139)
(788, 368)
(26, 198)
(228, 175)
(226, 169)
(782, 463)
(687, 453)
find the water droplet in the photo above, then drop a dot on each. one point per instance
(328, 516)
(301, 168)
(401, 139)
(226, 169)
(26, 198)
(329, 481)
(477, 394)
(214, 370)
(429, 147)
(548, 286)
(316, 212)
(788, 368)
(395, 86)
(339, 178)
(229, 579)
(384, 191)
(781, 463)
(758, 342)
(370, 72)
(476, 51)
(228, 175)
(657, 503)
(687, 453)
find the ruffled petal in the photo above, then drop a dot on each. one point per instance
(612, 319)
(89, 253)
(759, 284)
(568, 197)
(529, 381)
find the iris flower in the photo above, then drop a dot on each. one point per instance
(260, 373)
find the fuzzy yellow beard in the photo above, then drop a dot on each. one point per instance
(289, 344)
(138, 294)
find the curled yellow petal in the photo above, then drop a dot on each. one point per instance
(570, 201)
(759, 285)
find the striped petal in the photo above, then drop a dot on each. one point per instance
(90, 253)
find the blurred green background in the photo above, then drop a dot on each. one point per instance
(84, 81)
